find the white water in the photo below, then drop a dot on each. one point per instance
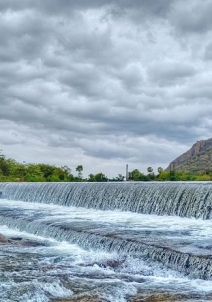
(82, 249)
(62, 269)
(178, 199)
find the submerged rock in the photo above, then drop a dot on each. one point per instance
(26, 242)
(3, 239)
(108, 263)
(162, 297)
(85, 298)
(19, 241)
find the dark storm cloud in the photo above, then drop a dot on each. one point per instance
(104, 82)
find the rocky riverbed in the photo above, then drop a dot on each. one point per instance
(159, 297)
(85, 298)
(145, 297)
(18, 241)
(52, 253)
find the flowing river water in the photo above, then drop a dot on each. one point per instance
(114, 241)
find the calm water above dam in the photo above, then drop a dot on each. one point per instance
(111, 240)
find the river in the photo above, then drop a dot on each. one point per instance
(114, 241)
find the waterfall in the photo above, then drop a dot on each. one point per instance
(178, 199)
(193, 264)
(141, 236)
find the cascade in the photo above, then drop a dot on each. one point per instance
(198, 266)
(159, 234)
(178, 199)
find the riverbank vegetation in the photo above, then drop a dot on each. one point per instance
(172, 175)
(11, 170)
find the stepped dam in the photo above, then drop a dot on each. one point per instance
(114, 242)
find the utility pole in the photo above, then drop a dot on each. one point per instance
(127, 173)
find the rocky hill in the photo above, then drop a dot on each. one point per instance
(198, 158)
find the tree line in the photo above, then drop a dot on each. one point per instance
(11, 170)
(171, 175)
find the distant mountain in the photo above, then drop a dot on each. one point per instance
(198, 158)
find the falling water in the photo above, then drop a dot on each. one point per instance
(111, 240)
(180, 199)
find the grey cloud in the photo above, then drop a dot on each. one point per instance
(84, 79)
(192, 16)
(103, 82)
(24, 33)
(208, 52)
(197, 93)
(131, 77)
(140, 11)
(158, 8)
(169, 73)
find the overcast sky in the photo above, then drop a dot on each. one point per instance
(104, 83)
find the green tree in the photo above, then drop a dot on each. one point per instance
(33, 173)
(150, 170)
(173, 176)
(47, 171)
(151, 174)
(120, 177)
(20, 172)
(79, 169)
(160, 170)
(136, 175)
(163, 176)
(59, 175)
(99, 177)
(91, 177)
